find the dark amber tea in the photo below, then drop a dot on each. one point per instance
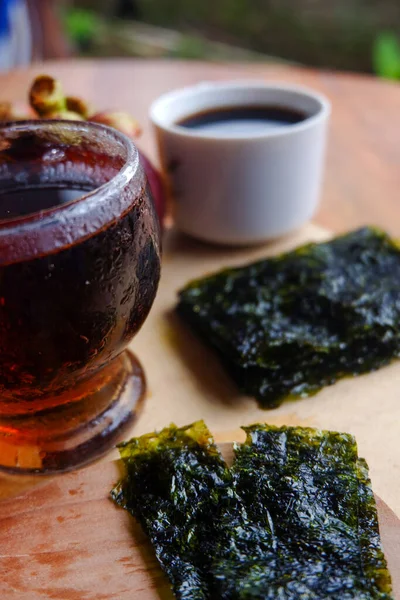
(79, 268)
(242, 119)
(25, 201)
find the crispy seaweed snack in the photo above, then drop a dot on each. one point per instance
(293, 518)
(314, 493)
(178, 487)
(291, 324)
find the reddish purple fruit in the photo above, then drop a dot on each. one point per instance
(156, 186)
(119, 120)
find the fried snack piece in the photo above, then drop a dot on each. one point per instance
(314, 493)
(177, 486)
(287, 326)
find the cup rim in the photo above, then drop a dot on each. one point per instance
(20, 236)
(127, 170)
(322, 113)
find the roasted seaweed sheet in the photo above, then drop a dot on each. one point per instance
(314, 493)
(178, 487)
(293, 518)
(291, 324)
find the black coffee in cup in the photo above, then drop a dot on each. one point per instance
(242, 119)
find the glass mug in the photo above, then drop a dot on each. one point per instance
(79, 270)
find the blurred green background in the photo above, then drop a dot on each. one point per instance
(356, 35)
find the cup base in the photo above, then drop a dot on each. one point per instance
(71, 435)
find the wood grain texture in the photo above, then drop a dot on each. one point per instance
(363, 168)
(87, 549)
(69, 544)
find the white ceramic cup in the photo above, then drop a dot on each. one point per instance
(240, 188)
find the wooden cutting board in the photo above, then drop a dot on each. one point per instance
(66, 541)
(187, 383)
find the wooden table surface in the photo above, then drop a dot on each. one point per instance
(362, 182)
(361, 186)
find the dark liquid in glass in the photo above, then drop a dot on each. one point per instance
(25, 201)
(65, 314)
(242, 119)
(78, 275)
